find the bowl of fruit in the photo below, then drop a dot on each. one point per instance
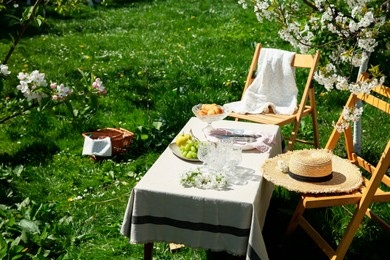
(185, 147)
(210, 113)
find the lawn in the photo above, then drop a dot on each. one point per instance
(157, 59)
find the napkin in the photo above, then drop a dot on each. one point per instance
(261, 141)
(99, 147)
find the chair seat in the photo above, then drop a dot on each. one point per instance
(271, 118)
(318, 201)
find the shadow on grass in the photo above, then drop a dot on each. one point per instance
(299, 245)
(35, 153)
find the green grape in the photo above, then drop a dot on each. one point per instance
(190, 149)
(191, 155)
(187, 147)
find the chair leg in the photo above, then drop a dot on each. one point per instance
(294, 219)
(314, 119)
(293, 136)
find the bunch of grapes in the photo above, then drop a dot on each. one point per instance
(190, 149)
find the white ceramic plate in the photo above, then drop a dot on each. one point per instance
(176, 151)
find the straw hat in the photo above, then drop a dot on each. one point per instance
(312, 171)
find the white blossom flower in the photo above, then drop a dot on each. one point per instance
(342, 83)
(98, 84)
(198, 179)
(243, 4)
(62, 91)
(368, 44)
(282, 166)
(22, 76)
(352, 114)
(4, 70)
(327, 16)
(367, 20)
(341, 126)
(38, 78)
(23, 87)
(356, 10)
(353, 26)
(29, 83)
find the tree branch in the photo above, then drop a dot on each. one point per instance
(22, 30)
(310, 4)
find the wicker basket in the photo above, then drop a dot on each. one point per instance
(120, 138)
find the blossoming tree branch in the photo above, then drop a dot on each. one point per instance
(37, 93)
(33, 91)
(347, 32)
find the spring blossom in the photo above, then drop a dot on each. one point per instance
(346, 31)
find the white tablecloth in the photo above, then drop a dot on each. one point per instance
(160, 209)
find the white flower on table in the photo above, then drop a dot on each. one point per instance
(198, 179)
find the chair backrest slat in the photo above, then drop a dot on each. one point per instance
(377, 178)
(376, 102)
(363, 163)
(382, 90)
(303, 61)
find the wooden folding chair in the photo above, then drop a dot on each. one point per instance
(300, 61)
(369, 193)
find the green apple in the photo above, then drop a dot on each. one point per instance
(182, 139)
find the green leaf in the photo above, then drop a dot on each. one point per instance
(24, 203)
(11, 222)
(375, 71)
(66, 220)
(157, 124)
(24, 237)
(39, 20)
(27, 13)
(35, 217)
(3, 247)
(17, 256)
(29, 225)
(18, 170)
(15, 242)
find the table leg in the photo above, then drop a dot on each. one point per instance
(148, 251)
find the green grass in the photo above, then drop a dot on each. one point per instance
(157, 59)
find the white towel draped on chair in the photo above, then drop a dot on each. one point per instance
(274, 85)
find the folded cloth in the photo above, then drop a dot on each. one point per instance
(98, 147)
(261, 141)
(274, 86)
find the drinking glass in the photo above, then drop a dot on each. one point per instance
(203, 152)
(235, 156)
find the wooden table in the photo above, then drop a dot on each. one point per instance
(160, 209)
